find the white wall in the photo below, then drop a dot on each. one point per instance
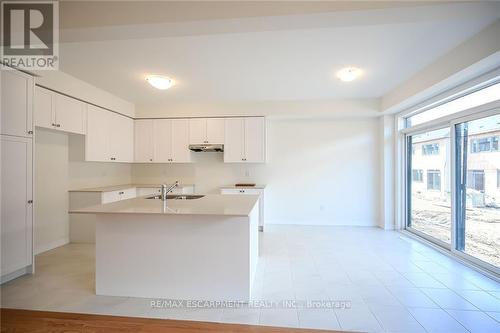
(319, 171)
(51, 184)
(58, 168)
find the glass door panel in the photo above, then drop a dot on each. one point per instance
(428, 184)
(478, 188)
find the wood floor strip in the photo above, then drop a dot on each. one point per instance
(20, 321)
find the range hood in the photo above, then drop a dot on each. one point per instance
(206, 147)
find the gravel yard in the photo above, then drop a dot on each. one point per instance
(482, 231)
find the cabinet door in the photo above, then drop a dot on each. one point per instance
(255, 140)
(180, 141)
(44, 108)
(197, 130)
(16, 222)
(121, 138)
(215, 130)
(70, 114)
(17, 103)
(143, 140)
(96, 140)
(162, 137)
(234, 141)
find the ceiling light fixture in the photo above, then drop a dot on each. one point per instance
(159, 82)
(349, 74)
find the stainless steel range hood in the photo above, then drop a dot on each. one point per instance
(205, 147)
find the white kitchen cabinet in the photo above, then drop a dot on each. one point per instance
(96, 140)
(260, 191)
(245, 140)
(171, 141)
(162, 138)
(44, 108)
(180, 141)
(70, 114)
(59, 112)
(206, 130)
(143, 140)
(16, 226)
(17, 103)
(120, 137)
(113, 196)
(110, 136)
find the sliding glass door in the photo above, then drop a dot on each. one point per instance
(428, 184)
(452, 172)
(477, 176)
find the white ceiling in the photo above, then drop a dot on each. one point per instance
(277, 58)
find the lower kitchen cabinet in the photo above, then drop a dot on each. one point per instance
(260, 190)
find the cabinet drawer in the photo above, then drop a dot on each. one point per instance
(113, 196)
(252, 191)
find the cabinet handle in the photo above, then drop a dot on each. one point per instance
(121, 193)
(58, 125)
(243, 159)
(151, 160)
(30, 201)
(113, 158)
(53, 124)
(30, 132)
(242, 191)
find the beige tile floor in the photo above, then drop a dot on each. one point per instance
(392, 283)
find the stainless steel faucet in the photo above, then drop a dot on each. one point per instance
(165, 189)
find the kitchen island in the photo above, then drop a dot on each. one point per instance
(190, 249)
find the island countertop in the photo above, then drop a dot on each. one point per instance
(210, 204)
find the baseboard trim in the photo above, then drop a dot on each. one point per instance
(16, 274)
(52, 245)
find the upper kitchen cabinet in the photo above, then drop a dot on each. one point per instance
(206, 130)
(110, 136)
(60, 112)
(245, 140)
(17, 101)
(170, 141)
(143, 140)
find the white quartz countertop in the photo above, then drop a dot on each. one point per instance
(211, 204)
(123, 187)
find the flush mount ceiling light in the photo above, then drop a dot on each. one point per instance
(159, 82)
(349, 74)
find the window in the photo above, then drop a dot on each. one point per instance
(428, 199)
(430, 149)
(452, 187)
(418, 175)
(433, 180)
(477, 205)
(488, 144)
(475, 180)
(476, 98)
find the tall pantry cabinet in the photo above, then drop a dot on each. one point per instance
(16, 196)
